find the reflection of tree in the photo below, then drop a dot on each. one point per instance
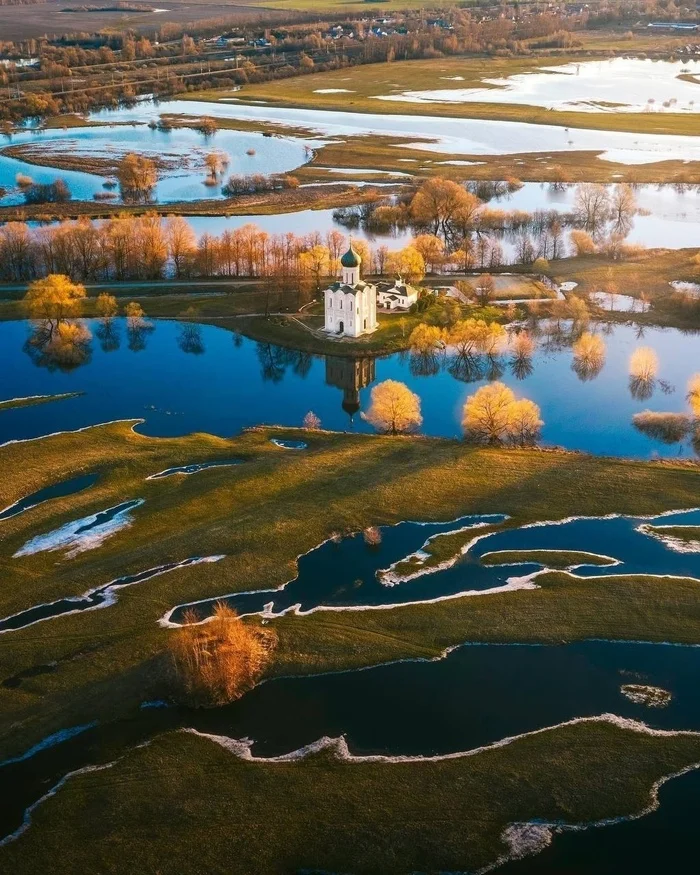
(589, 356)
(108, 335)
(424, 364)
(669, 428)
(494, 367)
(189, 338)
(136, 338)
(641, 389)
(65, 348)
(272, 364)
(301, 362)
(467, 368)
(521, 366)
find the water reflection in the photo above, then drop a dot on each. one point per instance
(63, 347)
(350, 375)
(279, 385)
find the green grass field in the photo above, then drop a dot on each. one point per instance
(261, 515)
(184, 804)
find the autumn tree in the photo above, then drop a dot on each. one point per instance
(135, 316)
(426, 343)
(694, 394)
(485, 289)
(582, 242)
(644, 365)
(493, 415)
(407, 263)
(137, 176)
(431, 249)
(315, 262)
(623, 208)
(441, 205)
(53, 300)
(522, 347)
(591, 206)
(218, 661)
(426, 339)
(216, 163)
(181, 244)
(106, 306)
(394, 409)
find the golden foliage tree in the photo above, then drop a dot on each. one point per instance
(137, 175)
(407, 263)
(217, 661)
(644, 363)
(106, 306)
(53, 300)
(426, 339)
(694, 394)
(135, 315)
(493, 415)
(394, 408)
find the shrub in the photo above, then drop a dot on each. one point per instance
(218, 661)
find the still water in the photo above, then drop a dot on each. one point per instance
(226, 382)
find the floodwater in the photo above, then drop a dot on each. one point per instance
(226, 382)
(455, 135)
(477, 695)
(613, 85)
(182, 149)
(347, 573)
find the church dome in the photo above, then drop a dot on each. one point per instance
(351, 258)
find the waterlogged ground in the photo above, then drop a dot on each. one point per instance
(226, 382)
(452, 135)
(350, 572)
(182, 151)
(613, 85)
(406, 708)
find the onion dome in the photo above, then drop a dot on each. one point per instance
(351, 258)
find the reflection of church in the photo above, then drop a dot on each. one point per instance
(350, 375)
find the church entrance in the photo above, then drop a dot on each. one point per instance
(341, 327)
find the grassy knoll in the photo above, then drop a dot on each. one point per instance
(32, 400)
(261, 515)
(362, 87)
(185, 804)
(548, 558)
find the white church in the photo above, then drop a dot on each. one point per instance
(350, 305)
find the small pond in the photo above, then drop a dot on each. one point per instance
(228, 382)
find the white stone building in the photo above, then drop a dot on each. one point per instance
(397, 295)
(350, 305)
